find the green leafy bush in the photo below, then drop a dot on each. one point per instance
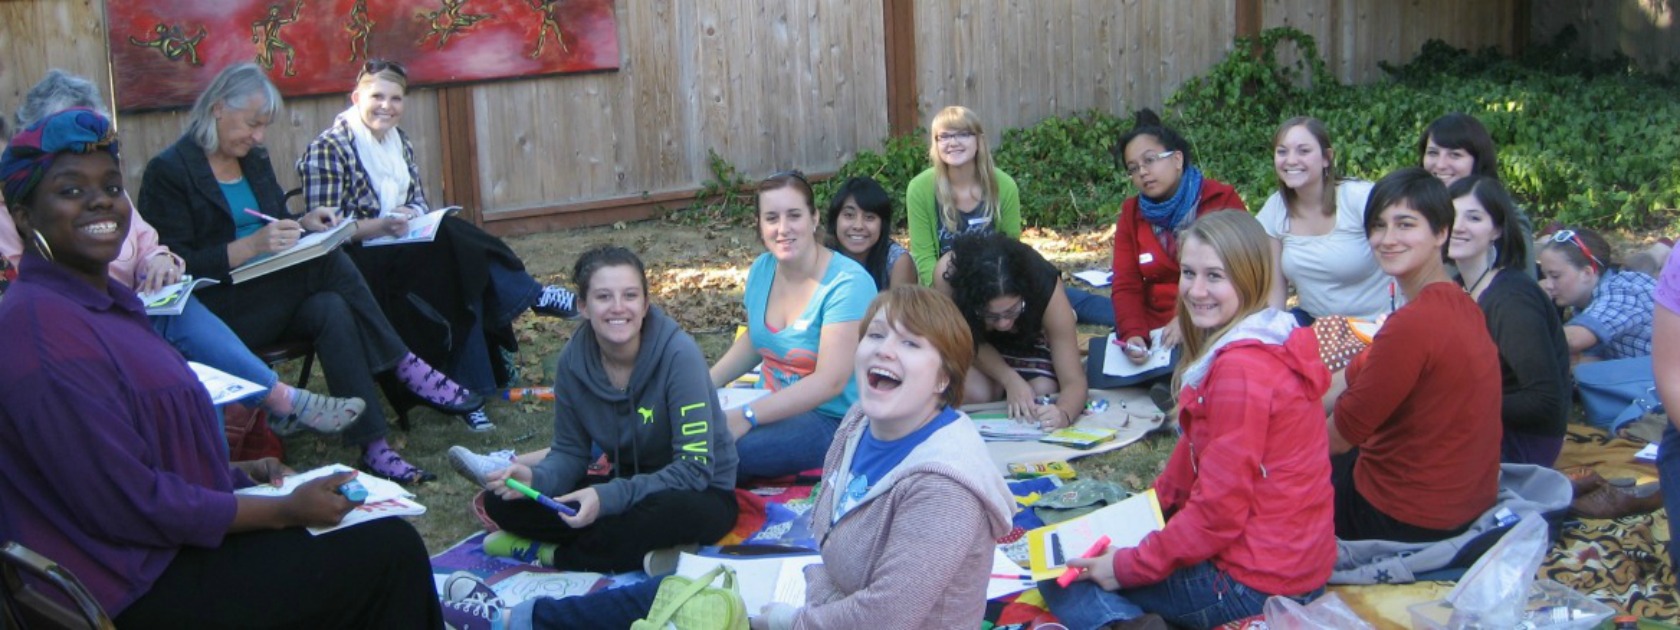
(1583, 141)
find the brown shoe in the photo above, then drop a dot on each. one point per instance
(1613, 502)
(1583, 480)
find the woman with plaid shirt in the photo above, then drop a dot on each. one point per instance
(452, 299)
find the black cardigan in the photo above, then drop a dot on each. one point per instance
(179, 195)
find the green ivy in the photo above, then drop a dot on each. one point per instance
(1584, 141)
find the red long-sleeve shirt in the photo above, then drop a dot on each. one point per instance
(1145, 273)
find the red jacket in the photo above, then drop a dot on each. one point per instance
(1145, 273)
(1248, 485)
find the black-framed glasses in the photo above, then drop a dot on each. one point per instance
(949, 136)
(792, 172)
(1148, 161)
(376, 66)
(1010, 314)
(1569, 236)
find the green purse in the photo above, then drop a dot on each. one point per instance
(694, 604)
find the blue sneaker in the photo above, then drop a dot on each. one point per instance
(470, 604)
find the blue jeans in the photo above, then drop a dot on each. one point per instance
(1198, 596)
(787, 447)
(614, 608)
(512, 291)
(201, 336)
(1668, 476)
(1090, 308)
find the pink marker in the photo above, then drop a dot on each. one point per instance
(1071, 573)
(259, 215)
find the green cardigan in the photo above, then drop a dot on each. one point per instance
(921, 202)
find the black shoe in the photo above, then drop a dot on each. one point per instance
(399, 471)
(1161, 394)
(467, 403)
(556, 301)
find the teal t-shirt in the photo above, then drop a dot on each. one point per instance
(791, 353)
(239, 197)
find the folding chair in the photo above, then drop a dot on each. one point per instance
(30, 609)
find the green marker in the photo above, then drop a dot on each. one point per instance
(539, 498)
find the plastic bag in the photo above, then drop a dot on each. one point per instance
(1494, 592)
(1328, 613)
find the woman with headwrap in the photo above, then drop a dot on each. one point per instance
(110, 460)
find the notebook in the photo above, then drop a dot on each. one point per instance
(312, 246)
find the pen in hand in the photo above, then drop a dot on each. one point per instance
(259, 215)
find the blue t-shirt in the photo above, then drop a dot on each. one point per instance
(791, 353)
(239, 197)
(874, 458)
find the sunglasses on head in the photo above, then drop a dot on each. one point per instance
(376, 66)
(792, 172)
(1569, 236)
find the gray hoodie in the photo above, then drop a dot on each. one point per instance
(665, 432)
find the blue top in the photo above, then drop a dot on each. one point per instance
(1619, 315)
(874, 459)
(239, 197)
(110, 459)
(791, 353)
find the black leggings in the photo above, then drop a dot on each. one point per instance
(617, 543)
(372, 575)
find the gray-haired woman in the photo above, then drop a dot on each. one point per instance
(216, 202)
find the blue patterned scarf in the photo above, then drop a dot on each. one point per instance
(1170, 215)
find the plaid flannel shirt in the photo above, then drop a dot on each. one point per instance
(1620, 315)
(333, 176)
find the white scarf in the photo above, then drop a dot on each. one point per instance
(1269, 326)
(383, 160)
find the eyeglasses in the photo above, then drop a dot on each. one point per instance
(1148, 161)
(1013, 313)
(792, 172)
(950, 136)
(1569, 236)
(376, 66)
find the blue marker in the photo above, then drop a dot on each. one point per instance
(539, 498)
(353, 490)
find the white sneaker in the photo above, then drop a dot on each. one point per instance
(478, 468)
(664, 561)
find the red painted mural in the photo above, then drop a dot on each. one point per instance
(164, 52)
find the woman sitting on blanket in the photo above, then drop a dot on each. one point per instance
(471, 284)
(803, 301)
(860, 225)
(633, 384)
(111, 463)
(910, 504)
(1422, 403)
(215, 200)
(1612, 306)
(1013, 302)
(146, 265)
(1489, 247)
(1247, 490)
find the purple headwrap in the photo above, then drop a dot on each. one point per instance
(32, 151)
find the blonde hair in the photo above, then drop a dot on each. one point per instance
(959, 118)
(1246, 252)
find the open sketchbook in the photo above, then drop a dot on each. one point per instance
(761, 579)
(172, 299)
(385, 498)
(311, 246)
(421, 229)
(1125, 523)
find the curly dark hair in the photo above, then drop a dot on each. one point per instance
(991, 265)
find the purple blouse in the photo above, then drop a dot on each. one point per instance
(110, 457)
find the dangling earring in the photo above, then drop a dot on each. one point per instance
(41, 244)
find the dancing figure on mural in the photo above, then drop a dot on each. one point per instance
(360, 27)
(266, 31)
(449, 20)
(172, 41)
(550, 10)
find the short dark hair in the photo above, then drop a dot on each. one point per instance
(1418, 190)
(1148, 123)
(605, 256)
(1462, 131)
(1511, 248)
(873, 199)
(989, 265)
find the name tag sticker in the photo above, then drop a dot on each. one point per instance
(801, 324)
(1146, 258)
(978, 221)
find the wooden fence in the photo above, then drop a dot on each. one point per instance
(771, 85)
(1644, 30)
